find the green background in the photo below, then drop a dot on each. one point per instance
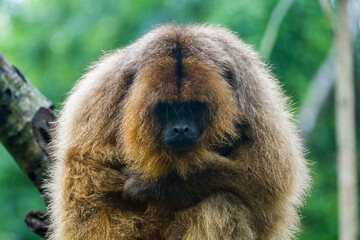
(52, 42)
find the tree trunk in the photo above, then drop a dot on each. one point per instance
(345, 129)
(324, 79)
(25, 116)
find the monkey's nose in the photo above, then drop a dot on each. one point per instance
(181, 129)
(180, 136)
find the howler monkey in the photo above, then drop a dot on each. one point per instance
(184, 134)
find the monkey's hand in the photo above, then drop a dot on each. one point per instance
(138, 188)
(171, 188)
(177, 233)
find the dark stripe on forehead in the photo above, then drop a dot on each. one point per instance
(177, 54)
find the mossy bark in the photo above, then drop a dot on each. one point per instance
(19, 103)
(25, 131)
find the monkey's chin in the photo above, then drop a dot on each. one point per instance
(181, 146)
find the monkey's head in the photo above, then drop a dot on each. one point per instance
(168, 101)
(181, 103)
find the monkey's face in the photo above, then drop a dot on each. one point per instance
(178, 107)
(181, 123)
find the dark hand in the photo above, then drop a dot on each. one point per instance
(177, 233)
(171, 188)
(137, 188)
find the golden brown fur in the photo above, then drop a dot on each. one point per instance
(107, 125)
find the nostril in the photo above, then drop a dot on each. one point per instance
(180, 129)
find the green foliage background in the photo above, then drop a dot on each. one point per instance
(52, 42)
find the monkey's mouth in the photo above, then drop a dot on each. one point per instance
(181, 143)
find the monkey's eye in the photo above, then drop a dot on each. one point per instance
(193, 110)
(196, 108)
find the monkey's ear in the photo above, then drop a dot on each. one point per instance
(228, 75)
(129, 75)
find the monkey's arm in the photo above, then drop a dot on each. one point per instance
(185, 192)
(211, 207)
(222, 215)
(87, 202)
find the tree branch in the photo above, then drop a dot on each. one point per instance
(25, 117)
(273, 26)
